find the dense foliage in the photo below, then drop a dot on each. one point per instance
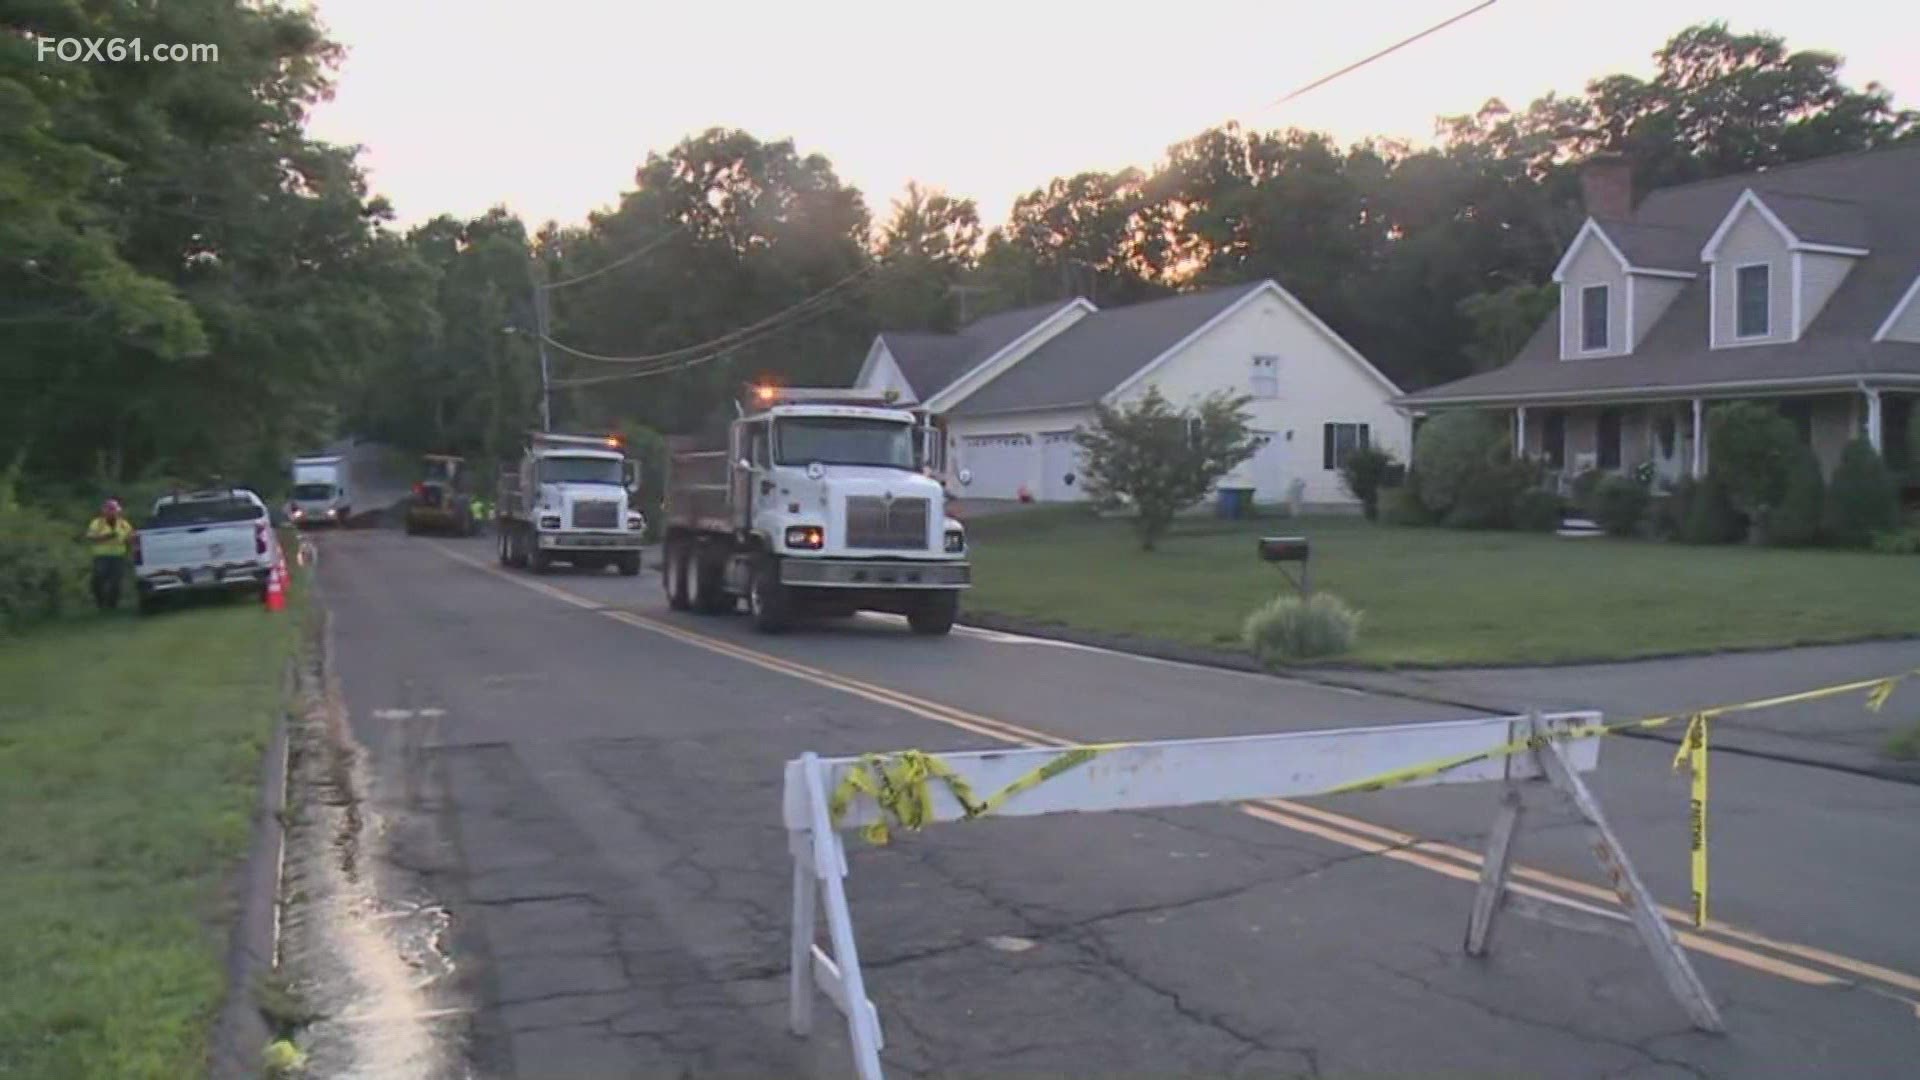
(1620, 504)
(1754, 448)
(1796, 521)
(1364, 472)
(1160, 460)
(1862, 499)
(1290, 628)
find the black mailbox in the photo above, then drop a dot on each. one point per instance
(1283, 548)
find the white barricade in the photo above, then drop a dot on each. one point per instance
(1555, 748)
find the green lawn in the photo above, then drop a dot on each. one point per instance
(1441, 596)
(129, 755)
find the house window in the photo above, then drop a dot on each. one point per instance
(1751, 315)
(1593, 318)
(1607, 435)
(1553, 438)
(1266, 376)
(1337, 441)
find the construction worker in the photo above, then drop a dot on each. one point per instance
(107, 537)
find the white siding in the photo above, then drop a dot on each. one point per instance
(1593, 265)
(1651, 298)
(1752, 240)
(1820, 275)
(1907, 326)
(884, 375)
(1319, 384)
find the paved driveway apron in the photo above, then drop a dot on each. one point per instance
(618, 876)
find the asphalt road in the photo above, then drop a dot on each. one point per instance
(602, 782)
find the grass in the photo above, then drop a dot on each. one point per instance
(1905, 745)
(129, 757)
(1441, 596)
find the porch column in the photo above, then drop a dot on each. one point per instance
(1699, 443)
(1520, 431)
(1873, 419)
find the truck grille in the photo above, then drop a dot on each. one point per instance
(896, 525)
(596, 514)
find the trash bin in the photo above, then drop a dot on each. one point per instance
(1233, 502)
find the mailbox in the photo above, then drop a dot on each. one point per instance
(1283, 548)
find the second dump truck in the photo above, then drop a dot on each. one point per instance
(819, 501)
(568, 499)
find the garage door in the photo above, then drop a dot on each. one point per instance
(999, 464)
(1061, 478)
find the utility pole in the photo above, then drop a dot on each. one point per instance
(540, 340)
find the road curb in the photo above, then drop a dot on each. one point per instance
(1726, 738)
(236, 1046)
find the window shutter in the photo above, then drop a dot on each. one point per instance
(1366, 436)
(1326, 446)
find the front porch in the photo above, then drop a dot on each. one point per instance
(1671, 435)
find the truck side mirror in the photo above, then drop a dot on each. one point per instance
(743, 465)
(630, 475)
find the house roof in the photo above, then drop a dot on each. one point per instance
(1089, 359)
(933, 361)
(1879, 189)
(1660, 246)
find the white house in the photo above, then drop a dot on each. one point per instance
(1013, 387)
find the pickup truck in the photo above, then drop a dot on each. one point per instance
(219, 540)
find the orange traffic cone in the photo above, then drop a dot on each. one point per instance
(276, 586)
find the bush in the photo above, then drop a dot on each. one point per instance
(1537, 510)
(1619, 503)
(1582, 490)
(1862, 499)
(1402, 506)
(1896, 542)
(1754, 448)
(1487, 497)
(1451, 451)
(1669, 509)
(1710, 517)
(1364, 473)
(1796, 521)
(42, 566)
(1290, 628)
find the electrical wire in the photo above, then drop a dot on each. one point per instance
(731, 337)
(643, 249)
(1395, 47)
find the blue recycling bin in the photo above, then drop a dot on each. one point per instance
(1233, 503)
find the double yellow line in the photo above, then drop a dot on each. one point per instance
(1802, 964)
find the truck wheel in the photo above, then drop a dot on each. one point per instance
(538, 560)
(506, 552)
(710, 596)
(630, 564)
(770, 602)
(673, 575)
(934, 612)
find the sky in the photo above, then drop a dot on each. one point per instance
(548, 106)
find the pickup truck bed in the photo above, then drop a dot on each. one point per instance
(204, 541)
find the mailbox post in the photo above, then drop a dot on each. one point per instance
(1281, 550)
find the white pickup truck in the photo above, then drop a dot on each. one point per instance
(202, 541)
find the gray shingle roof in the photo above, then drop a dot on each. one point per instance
(1658, 246)
(932, 361)
(1880, 188)
(1091, 357)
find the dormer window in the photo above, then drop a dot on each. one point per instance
(1752, 288)
(1593, 318)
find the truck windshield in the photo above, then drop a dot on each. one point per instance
(580, 470)
(312, 492)
(204, 512)
(839, 440)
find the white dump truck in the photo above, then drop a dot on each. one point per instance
(820, 502)
(321, 492)
(569, 499)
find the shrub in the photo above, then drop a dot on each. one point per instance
(1364, 473)
(1669, 509)
(1582, 490)
(1796, 521)
(1710, 516)
(1487, 497)
(1289, 628)
(1896, 542)
(1862, 499)
(1537, 510)
(42, 566)
(1451, 450)
(1754, 448)
(1619, 503)
(1402, 506)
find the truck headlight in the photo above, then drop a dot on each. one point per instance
(806, 537)
(550, 521)
(637, 522)
(956, 541)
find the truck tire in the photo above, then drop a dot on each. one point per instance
(770, 602)
(710, 596)
(673, 575)
(538, 560)
(933, 613)
(505, 549)
(630, 564)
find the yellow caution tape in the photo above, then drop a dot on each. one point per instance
(900, 784)
(1692, 756)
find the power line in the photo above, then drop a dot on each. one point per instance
(643, 249)
(730, 337)
(1395, 47)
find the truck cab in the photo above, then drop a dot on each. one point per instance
(823, 501)
(320, 492)
(569, 500)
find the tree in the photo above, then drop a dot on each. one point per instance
(1161, 459)
(928, 247)
(1363, 473)
(1451, 451)
(1796, 522)
(1754, 448)
(1504, 319)
(1862, 499)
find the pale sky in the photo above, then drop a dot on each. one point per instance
(548, 106)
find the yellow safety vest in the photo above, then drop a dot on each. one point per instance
(109, 539)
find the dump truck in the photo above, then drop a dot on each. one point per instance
(816, 502)
(570, 499)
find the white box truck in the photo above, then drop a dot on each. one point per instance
(321, 491)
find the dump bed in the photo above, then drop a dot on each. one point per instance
(699, 484)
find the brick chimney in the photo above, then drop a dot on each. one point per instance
(1606, 184)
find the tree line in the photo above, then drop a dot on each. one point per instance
(190, 285)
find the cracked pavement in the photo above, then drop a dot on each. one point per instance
(613, 864)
